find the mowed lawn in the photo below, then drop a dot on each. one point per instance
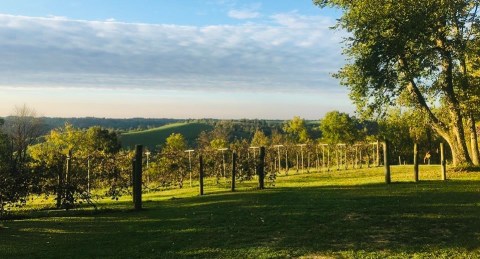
(325, 214)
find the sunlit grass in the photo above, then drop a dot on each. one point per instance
(319, 214)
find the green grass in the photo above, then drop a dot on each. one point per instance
(154, 137)
(327, 214)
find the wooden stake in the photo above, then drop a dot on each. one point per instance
(443, 162)
(386, 159)
(137, 178)
(234, 169)
(261, 168)
(415, 162)
(201, 174)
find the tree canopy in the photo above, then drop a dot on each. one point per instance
(338, 127)
(416, 54)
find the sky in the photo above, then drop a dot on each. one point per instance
(227, 59)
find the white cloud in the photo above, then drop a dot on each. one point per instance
(289, 52)
(243, 14)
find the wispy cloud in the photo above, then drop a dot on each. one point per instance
(288, 52)
(243, 14)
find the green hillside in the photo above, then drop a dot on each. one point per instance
(153, 137)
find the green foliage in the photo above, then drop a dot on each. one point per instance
(171, 166)
(218, 143)
(338, 127)
(260, 140)
(13, 183)
(95, 162)
(297, 129)
(415, 54)
(176, 142)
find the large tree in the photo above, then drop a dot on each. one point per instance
(415, 49)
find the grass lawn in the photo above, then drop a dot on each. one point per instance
(327, 214)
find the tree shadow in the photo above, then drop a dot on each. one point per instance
(398, 219)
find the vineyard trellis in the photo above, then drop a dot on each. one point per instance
(223, 168)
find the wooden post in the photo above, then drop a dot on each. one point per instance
(261, 168)
(373, 156)
(60, 189)
(338, 161)
(297, 163)
(386, 161)
(67, 188)
(415, 162)
(328, 158)
(361, 160)
(443, 162)
(286, 161)
(201, 174)
(137, 178)
(234, 169)
(378, 153)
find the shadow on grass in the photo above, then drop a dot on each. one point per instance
(397, 219)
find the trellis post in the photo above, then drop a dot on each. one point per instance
(261, 168)
(443, 162)
(201, 174)
(386, 161)
(137, 178)
(234, 169)
(415, 162)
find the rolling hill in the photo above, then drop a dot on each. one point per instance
(151, 138)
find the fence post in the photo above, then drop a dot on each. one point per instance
(443, 162)
(201, 174)
(378, 153)
(67, 188)
(137, 177)
(415, 162)
(234, 169)
(261, 168)
(386, 161)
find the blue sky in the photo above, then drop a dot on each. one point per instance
(182, 59)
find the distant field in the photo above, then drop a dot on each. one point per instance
(154, 137)
(337, 214)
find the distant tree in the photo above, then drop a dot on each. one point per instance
(338, 127)
(218, 143)
(203, 140)
(176, 142)
(23, 128)
(296, 128)
(260, 140)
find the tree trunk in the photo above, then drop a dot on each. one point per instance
(474, 141)
(453, 132)
(459, 152)
(456, 118)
